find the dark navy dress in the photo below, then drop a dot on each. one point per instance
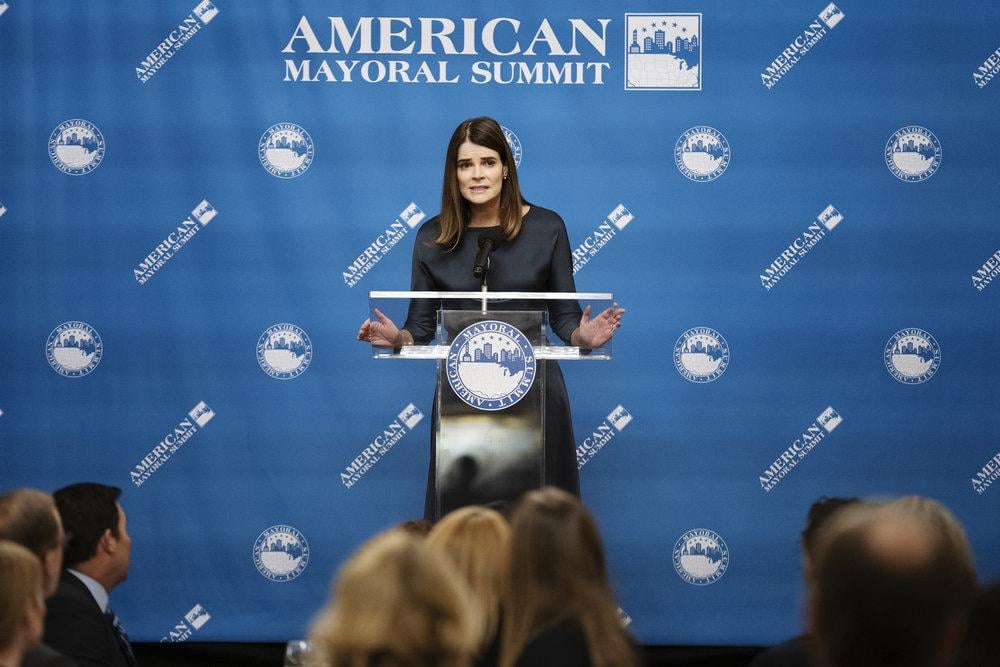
(538, 260)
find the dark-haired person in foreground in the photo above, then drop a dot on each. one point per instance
(29, 517)
(795, 652)
(79, 622)
(892, 586)
(481, 196)
(558, 609)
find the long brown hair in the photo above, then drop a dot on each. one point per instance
(455, 210)
(556, 574)
(475, 540)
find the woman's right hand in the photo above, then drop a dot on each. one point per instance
(380, 332)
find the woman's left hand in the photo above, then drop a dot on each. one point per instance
(594, 332)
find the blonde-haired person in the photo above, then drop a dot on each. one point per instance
(22, 603)
(557, 604)
(475, 540)
(395, 603)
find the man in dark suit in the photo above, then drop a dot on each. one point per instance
(29, 518)
(79, 621)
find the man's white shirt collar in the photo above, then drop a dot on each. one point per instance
(96, 590)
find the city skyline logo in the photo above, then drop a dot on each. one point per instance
(168, 47)
(284, 351)
(663, 51)
(702, 153)
(286, 150)
(76, 147)
(605, 432)
(913, 154)
(281, 553)
(912, 356)
(380, 445)
(799, 448)
(514, 143)
(817, 29)
(491, 365)
(814, 232)
(408, 219)
(700, 557)
(176, 239)
(193, 621)
(701, 354)
(169, 444)
(74, 349)
(615, 222)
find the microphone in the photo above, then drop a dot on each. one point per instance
(488, 242)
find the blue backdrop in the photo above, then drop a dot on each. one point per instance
(811, 189)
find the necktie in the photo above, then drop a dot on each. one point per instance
(121, 635)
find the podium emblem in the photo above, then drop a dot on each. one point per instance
(491, 365)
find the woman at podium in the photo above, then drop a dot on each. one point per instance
(481, 196)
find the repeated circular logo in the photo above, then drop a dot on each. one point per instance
(281, 553)
(702, 153)
(284, 351)
(491, 365)
(913, 153)
(700, 557)
(514, 143)
(912, 356)
(76, 147)
(701, 354)
(74, 349)
(286, 150)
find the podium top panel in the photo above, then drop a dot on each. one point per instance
(540, 296)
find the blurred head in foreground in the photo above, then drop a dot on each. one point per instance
(892, 585)
(395, 603)
(22, 602)
(556, 577)
(475, 541)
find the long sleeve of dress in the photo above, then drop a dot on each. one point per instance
(564, 315)
(421, 318)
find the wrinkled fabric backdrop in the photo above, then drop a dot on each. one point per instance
(830, 233)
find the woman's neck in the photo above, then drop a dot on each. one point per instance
(12, 656)
(485, 215)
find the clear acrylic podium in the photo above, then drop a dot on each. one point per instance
(487, 456)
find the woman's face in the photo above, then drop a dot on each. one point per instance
(480, 174)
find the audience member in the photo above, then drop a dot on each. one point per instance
(395, 603)
(29, 518)
(892, 585)
(795, 652)
(22, 602)
(558, 608)
(418, 527)
(475, 540)
(79, 622)
(979, 649)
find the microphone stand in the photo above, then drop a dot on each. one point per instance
(483, 285)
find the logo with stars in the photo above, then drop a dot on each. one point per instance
(913, 154)
(286, 150)
(701, 354)
(912, 356)
(491, 365)
(701, 557)
(702, 153)
(76, 147)
(74, 349)
(663, 52)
